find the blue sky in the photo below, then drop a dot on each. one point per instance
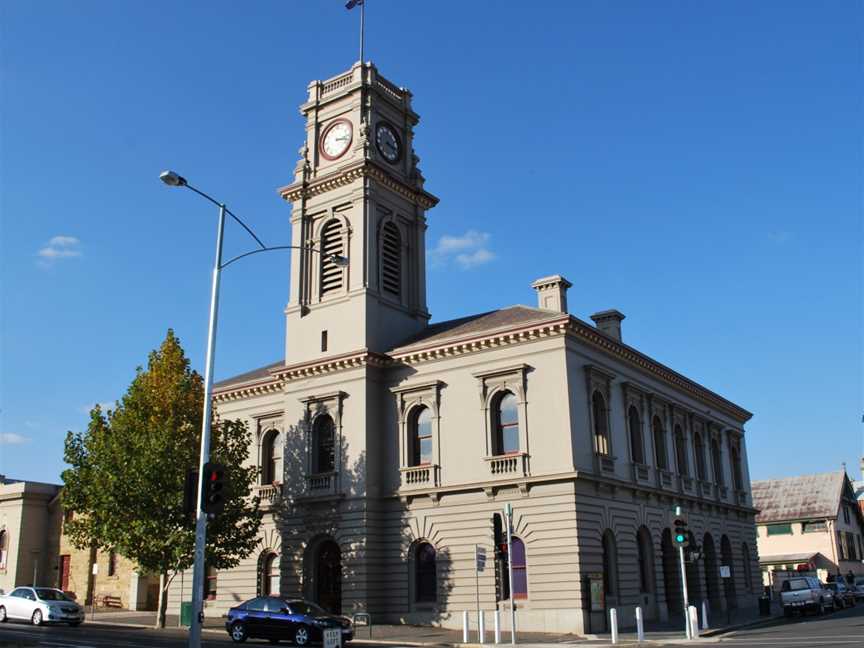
(695, 165)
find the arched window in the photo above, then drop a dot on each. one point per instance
(520, 569)
(4, 547)
(646, 560)
(271, 457)
(391, 259)
(748, 573)
(736, 468)
(331, 243)
(323, 445)
(425, 574)
(506, 425)
(610, 563)
(420, 435)
(637, 447)
(112, 563)
(717, 462)
(681, 452)
(601, 427)
(269, 575)
(660, 457)
(699, 450)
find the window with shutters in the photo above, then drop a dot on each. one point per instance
(391, 260)
(331, 243)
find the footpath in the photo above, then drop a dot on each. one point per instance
(429, 636)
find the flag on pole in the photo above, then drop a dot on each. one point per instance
(353, 3)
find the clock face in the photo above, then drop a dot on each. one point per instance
(387, 142)
(336, 139)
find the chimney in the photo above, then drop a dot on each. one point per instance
(552, 293)
(609, 322)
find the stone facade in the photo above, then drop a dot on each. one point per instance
(396, 440)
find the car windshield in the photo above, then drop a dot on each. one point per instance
(302, 607)
(796, 584)
(51, 595)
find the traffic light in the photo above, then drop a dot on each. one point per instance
(502, 577)
(214, 491)
(680, 535)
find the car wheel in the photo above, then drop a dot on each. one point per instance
(3, 617)
(239, 633)
(37, 618)
(301, 636)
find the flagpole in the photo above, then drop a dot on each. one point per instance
(362, 29)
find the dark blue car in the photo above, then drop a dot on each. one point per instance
(274, 618)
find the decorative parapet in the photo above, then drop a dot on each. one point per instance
(604, 464)
(664, 479)
(268, 494)
(704, 489)
(686, 484)
(741, 497)
(509, 465)
(321, 484)
(641, 473)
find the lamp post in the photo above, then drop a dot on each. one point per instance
(173, 179)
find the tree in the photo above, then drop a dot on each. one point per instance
(128, 472)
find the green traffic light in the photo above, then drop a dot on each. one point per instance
(679, 538)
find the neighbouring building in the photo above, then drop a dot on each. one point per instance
(809, 522)
(29, 525)
(859, 490)
(386, 443)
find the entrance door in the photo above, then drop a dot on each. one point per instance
(64, 573)
(328, 579)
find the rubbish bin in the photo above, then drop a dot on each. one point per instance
(186, 613)
(764, 606)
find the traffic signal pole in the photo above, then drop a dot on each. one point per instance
(687, 630)
(508, 516)
(200, 516)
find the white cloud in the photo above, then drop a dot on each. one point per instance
(59, 247)
(10, 438)
(468, 250)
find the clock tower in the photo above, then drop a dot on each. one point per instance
(357, 193)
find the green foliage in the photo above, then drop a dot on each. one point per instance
(128, 471)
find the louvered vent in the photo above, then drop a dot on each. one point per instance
(391, 260)
(331, 243)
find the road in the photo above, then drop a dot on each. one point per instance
(843, 629)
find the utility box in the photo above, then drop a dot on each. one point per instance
(186, 614)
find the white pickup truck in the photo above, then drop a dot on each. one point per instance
(805, 593)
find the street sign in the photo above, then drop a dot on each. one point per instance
(725, 571)
(95, 569)
(332, 638)
(480, 557)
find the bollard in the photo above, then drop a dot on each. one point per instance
(640, 626)
(613, 622)
(694, 622)
(704, 614)
(497, 617)
(481, 627)
(465, 626)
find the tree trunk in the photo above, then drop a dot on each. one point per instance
(163, 599)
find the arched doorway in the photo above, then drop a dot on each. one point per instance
(694, 585)
(328, 576)
(647, 581)
(728, 583)
(712, 572)
(671, 576)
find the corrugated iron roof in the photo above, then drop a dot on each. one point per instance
(798, 498)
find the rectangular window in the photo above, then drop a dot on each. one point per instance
(846, 514)
(112, 563)
(813, 527)
(779, 529)
(841, 546)
(210, 584)
(323, 341)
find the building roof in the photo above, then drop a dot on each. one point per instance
(262, 373)
(798, 498)
(477, 324)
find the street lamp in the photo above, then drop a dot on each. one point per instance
(173, 179)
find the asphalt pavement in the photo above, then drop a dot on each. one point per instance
(843, 629)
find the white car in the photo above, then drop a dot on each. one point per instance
(40, 605)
